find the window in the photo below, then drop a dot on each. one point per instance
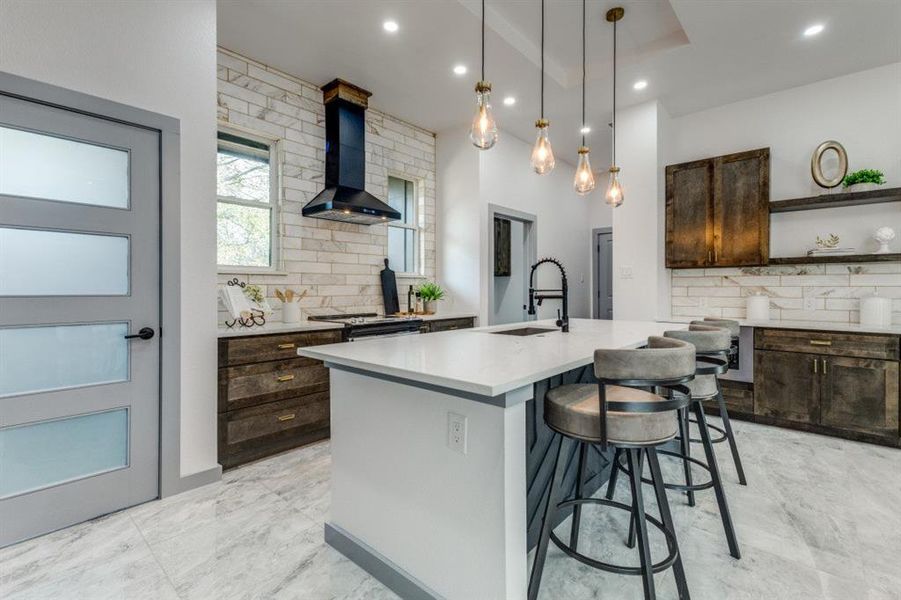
(246, 216)
(403, 235)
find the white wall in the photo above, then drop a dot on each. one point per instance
(159, 56)
(862, 111)
(502, 176)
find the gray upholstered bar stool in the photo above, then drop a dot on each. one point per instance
(726, 434)
(618, 412)
(712, 345)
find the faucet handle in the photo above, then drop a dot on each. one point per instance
(559, 319)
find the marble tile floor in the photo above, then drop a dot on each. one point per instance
(821, 519)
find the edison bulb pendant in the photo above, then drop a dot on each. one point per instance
(542, 158)
(614, 195)
(484, 128)
(584, 180)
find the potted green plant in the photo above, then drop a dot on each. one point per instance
(863, 180)
(431, 293)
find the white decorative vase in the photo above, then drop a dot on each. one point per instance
(430, 307)
(290, 312)
(884, 236)
(758, 307)
(862, 187)
(875, 311)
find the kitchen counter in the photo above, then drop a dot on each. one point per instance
(810, 326)
(279, 327)
(438, 466)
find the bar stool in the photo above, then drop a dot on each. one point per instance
(616, 412)
(726, 434)
(712, 345)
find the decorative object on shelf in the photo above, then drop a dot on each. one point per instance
(864, 180)
(542, 158)
(829, 247)
(430, 293)
(584, 181)
(875, 311)
(614, 195)
(884, 236)
(816, 164)
(758, 307)
(483, 132)
(237, 302)
(829, 243)
(502, 247)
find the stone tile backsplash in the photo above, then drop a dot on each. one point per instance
(797, 293)
(337, 264)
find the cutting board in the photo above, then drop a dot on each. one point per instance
(389, 290)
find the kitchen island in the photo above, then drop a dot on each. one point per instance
(438, 447)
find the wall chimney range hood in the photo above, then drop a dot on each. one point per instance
(344, 198)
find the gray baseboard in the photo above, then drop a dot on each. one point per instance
(194, 480)
(373, 562)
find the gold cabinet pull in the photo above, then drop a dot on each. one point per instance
(284, 378)
(815, 366)
(824, 366)
(287, 346)
(820, 342)
(286, 417)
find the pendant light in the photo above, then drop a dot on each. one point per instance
(614, 195)
(483, 132)
(542, 158)
(584, 181)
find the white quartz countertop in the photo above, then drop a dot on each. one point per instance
(279, 327)
(813, 326)
(481, 362)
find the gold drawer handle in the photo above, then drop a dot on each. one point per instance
(283, 378)
(286, 417)
(820, 342)
(287, 346)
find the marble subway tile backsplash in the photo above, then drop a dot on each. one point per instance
(797, 292)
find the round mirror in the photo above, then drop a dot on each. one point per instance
(829, 168)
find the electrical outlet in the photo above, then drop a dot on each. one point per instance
(810, 303)
(625, 272)
(456, 432)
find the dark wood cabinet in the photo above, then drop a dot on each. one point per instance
(843, 384)
(717, 211)
(447, 324)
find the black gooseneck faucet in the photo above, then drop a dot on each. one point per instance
(542, 294)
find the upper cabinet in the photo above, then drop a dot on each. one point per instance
(717, 211)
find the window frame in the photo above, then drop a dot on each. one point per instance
(274, 203)
(416, 228)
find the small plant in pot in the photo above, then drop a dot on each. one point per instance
(863, 180)
(431, 293)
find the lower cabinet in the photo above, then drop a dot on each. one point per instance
(836, 383)
(436, 325)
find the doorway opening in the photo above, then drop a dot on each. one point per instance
(602, 272)
(512, 251)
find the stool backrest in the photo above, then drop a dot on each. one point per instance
(706, 339)
(733, 326)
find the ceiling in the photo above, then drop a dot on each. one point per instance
(694, 54)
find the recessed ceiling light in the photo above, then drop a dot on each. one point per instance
(509, 101)
(640, 84)
(460, 70)
(390, 26)
(585, 130)
(813, 30)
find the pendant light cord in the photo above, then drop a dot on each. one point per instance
(483, 40)
(542, 61)
(583, 71)
(614, 93)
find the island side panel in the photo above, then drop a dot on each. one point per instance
(454, 522)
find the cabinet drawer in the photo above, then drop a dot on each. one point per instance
(739, 396)
(260, 348)
(263, 430)
(858, 345)
(250, 385)
(449, 324)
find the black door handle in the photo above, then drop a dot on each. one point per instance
(145, 334)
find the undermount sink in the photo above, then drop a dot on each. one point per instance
(522, 331)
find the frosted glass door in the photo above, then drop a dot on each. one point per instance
(79, 275)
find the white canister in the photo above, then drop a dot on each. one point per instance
(290, 312)
(758, 307)
(875, 311)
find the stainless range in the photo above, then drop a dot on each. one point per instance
(372, 325)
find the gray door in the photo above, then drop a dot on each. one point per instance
(603, 276)
(79, 271)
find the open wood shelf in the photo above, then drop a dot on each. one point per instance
(847, 258)
(837, 200)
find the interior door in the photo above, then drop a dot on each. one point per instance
(787, 385)
(79, 275)
(741, 215)
(689, 214)
(604, 275)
